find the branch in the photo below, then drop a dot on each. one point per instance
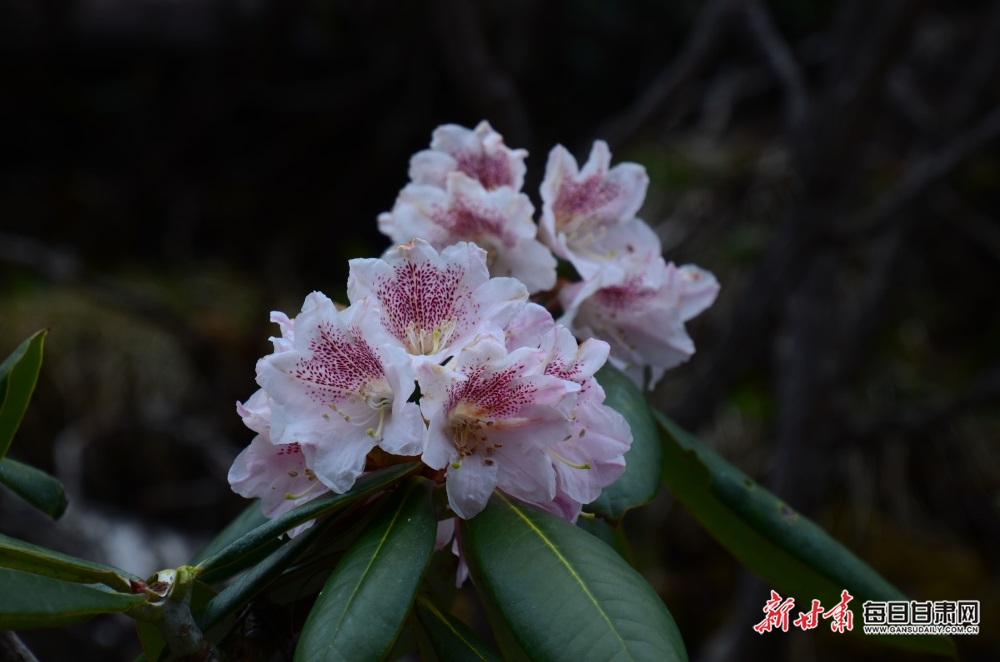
(710, 26)
(782, 61)
(920, 420)
(978, 73)
(928, 170)
(978, 227)
(902, 92)
(486, 87)
(13, 650)
(860, 331)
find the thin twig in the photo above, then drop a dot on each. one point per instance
(487, 87)
(13, 650)
(978, 73)
(920, 420)
(928, 170)
(979, 227)
(710, 26)
(782, 61)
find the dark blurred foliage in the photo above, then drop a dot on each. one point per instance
(172, 171)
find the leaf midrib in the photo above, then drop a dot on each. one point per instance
(562, 559)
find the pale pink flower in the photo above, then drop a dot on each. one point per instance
(433, 304)
(448, 532)
(698, 290)
(287, 328)
(491, 420)
(479, 153)
(640, 311)
(256, 411)
(276, 474)
(592, 457)
(581, 208)
(499, 220)
(339, 392)
(528, 328)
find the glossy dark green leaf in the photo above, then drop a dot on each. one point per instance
(787, 550)
(18, 375)
(20, 555)
(364, 603)
(245, 522)
(35, 601)
(247, 585)
(451, 639)
(641, 480)
(40, 489)
(563, 594)
(613, 536)
(238, 554)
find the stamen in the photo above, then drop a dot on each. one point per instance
(347, 419)
(377, 433)
(292, 497)
(585, 465)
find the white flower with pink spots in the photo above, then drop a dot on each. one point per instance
(583, 208)
(491, 421)
(466, 187)
(498, 220)
(430, 304)
(339, 391)
(478, 153)
(640, 311)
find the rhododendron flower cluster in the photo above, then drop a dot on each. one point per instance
(442, 355)
(467, 187)
(435, 359)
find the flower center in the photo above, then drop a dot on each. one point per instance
(429, 341)
(377, 395)
(311, 477)
(469, 432)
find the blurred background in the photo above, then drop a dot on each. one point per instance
(173, 170)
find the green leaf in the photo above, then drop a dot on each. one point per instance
(237, 555)
(364, 603)
(641, 480)
(245, 522)
(788, 551)
(563, 594)
(237, 594)
(35, 486)
(613, 536)
(452, 639)
(18, 375)
(19, 555)
(34, 601)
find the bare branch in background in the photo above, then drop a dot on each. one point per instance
(870, 38)
(980, 228)
(926, 172)
(978, 73)
(711, 26)
(782, 61)
(801, 239)
(858, 331)
(487, 88)
(920, 420)
(13, 650)
(902, 92)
